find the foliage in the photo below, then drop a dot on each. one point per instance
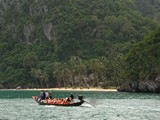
(73, 43)
(143, 58)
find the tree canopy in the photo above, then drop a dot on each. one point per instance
(70, 43)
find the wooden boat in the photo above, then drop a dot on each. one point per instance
(44, 102)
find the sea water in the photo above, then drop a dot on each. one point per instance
(19, 105)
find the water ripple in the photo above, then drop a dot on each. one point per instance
(107, 107)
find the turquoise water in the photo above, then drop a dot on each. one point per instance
(18, 105)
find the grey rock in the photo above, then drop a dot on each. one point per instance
(142, 86)
(47, 29)
(28, 29)
(19, 87)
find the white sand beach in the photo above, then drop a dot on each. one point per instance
(75, 89)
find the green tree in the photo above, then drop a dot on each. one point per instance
(30, 60)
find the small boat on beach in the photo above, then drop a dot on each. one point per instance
(47, 102)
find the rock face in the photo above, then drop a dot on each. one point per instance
(141, 86)
(28, 29)
(47, 29)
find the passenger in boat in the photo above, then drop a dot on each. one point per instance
(67, 101)
(62, 101)
(46, 94)
(55, 101)
(59, 101)
(42, 95)
(71, 97)
(50, 95)
(50, 101)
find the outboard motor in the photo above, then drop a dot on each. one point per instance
(80, 97)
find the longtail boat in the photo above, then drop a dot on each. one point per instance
(44, 102)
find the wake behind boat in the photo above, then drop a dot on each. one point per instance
(58, 102)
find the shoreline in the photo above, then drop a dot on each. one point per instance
(68, 89)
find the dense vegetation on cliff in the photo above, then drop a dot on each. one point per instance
(142, 66)
(70, 43)
(143, 59)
